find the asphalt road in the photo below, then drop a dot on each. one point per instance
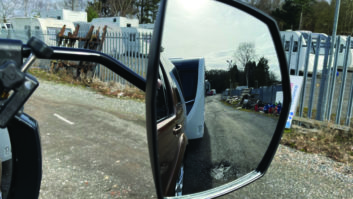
(90, 151)
(233, 145)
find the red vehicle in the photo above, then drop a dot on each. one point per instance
(211, 92)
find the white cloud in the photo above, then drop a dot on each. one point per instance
(214, 31)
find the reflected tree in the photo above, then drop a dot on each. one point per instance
(258, 74)
(245, 54)
(219, 79)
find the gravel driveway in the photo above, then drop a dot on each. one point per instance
(292, 174)
(295, 174)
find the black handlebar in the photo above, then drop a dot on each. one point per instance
(76, 54)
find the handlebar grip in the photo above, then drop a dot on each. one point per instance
(39, 48)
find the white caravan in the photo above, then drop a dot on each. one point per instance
(45, 29)
(191, 81)
(340, 54)
(294, 52)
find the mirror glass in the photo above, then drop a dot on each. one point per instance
(219, 95)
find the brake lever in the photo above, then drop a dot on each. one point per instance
(12, 79)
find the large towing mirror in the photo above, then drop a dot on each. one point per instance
(213, 119)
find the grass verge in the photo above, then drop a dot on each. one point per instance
(333, 143)
(110, 89)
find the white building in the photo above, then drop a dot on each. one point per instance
(63, 14)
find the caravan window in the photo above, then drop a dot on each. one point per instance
(27, 27)
(51, 33)
(295, 46)
(321, 49)
(341, 48)
(286, 46)
(188, 73)
(37, 28)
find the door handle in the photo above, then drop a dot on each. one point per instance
(177, 129)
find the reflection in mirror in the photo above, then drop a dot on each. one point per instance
(220, 98)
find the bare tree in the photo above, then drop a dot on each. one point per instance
(70, 4)
(122, 7)
(25, 7)
(7, 8)
(244, 54)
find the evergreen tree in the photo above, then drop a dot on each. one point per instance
(262, 72)
(147, 10)
(288, 16)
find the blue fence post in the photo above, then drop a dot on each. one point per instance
(344, 77)
(302, 97)
(313, 78)
(333, 81)
(321, 104)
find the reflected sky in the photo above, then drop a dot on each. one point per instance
(214, 31)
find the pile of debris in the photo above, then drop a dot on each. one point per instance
(92, 41)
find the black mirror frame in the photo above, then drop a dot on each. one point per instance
(151, 125)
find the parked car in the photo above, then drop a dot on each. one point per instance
(212, 92)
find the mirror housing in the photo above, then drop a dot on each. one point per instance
(26, 156)
(151, 92)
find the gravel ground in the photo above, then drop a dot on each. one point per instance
(295, 174)
(81, 95)
(292, 174)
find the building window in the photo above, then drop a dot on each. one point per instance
(114, 20)
(58, 17)
(128, 25)
(37, 28)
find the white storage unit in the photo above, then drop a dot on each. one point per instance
(119, 21)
